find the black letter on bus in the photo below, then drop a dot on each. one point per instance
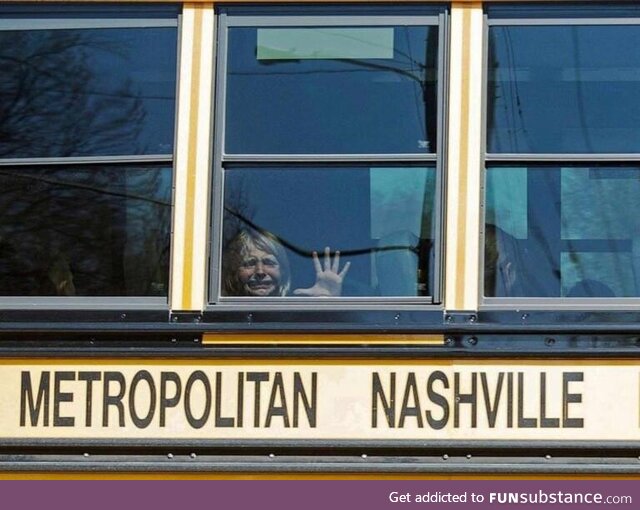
(58, 396)
(389, 406)
(113, 400)
(168, 402)
(277, 391)
(197, 423)
(43, 397)
(525, 423)
(465, 398)
(438, 400)
(299, 393)
(568, 398)
(415, 410)
(89, 377)
(492, 411)
(257, 378)
(546, 422)
(142, 423)
(221, 421)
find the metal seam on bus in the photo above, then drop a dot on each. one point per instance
(307, 361)
(309, 339)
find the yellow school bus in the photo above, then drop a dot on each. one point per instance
(319, 239)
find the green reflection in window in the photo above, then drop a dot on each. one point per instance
(402, 200)
(324, 43)
(507, 200)
(601, 203)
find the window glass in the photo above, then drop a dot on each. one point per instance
(324, 43)
(331, 90)
(568, 231)
(381, 219)
(85, 230)
(87, 92)
(564, 89)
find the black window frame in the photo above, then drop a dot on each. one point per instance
(58, 16)
(334, 15)
(547, 14)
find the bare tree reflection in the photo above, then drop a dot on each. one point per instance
(52, 101)
(90, 231)
(66, 229)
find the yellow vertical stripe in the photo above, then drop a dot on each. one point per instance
(463, 158)
(187, 301)
(474, 157)
(463, 170)
(193, 162)
(181, 158)
(453, 144)
(204, 138)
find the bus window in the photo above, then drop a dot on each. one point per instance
(87, 102)
(99, 230)
(563, 231)
(381, 219)
(562, 176)
(327, 154)
(379, 100)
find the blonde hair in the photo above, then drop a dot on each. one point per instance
(236, 251)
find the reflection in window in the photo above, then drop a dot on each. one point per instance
(85, 231)
(87, 92)
(562, 231)
(381, 219)
(324, 43)
(77, 84)
(564, 89)
(328, 152)
(347, 90)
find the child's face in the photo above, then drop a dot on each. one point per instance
(259, 273)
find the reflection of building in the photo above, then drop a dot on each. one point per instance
(397, 134)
